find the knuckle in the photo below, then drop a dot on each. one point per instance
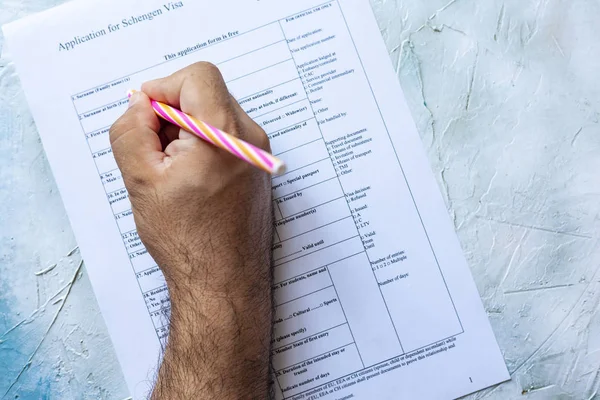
(205, 70)
(208, 67)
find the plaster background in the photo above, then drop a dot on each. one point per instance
(507, 101)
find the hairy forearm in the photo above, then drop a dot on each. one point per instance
(218, 344)
(205, 217)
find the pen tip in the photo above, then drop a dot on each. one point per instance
(279, 168)
(130, 92)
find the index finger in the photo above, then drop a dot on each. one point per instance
(206, 88)
(200, 91)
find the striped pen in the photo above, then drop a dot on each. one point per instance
(239, 148)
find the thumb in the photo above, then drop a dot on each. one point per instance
(134, 139)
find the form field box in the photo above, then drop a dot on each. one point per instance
(302, 156)
(96, 118)
(151, 278)
(112, 181)
(258, 81)
(285, 116)
(310, 197)
(311, 346)
(141, 260)
(316, 220)
(306, 316)
(125, 221)
(272, 98)
(301, 285)
(303, 178)
(295, 135)
(328, 367)
(98, 139)
(294, 266)
(105, 161)
(319, 238)
(253, 61)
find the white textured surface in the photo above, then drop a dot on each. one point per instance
(507, 101)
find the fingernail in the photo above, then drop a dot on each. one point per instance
(135, 97)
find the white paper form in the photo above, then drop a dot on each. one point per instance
(374, 299)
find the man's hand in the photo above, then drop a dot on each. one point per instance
(205, 217)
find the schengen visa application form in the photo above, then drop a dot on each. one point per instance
(374, 299)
